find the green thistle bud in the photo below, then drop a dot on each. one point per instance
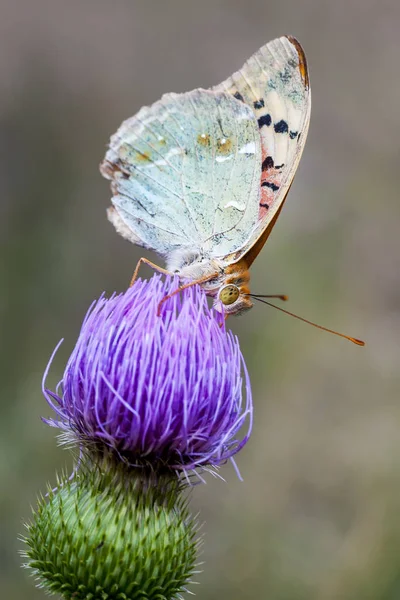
(117, 534)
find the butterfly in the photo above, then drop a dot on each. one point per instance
(201, 177)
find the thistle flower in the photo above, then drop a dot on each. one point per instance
(167, 390)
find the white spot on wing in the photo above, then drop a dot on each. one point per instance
(249, 148)
(235, 204)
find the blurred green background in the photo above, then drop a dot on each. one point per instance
(317, 516)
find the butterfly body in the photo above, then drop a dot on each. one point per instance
(201, 177)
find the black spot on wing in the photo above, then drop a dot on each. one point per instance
(268, 163)
(281, 127)
(293, 134)
(264, 120)
(238, 96)
(264, 205)
(270, 185)
(280, 166)
(286, 75)
(259, 103)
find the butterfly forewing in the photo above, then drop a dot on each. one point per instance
(274, 83)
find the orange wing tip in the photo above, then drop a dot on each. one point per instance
(303, 68)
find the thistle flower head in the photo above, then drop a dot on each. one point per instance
(170, 389)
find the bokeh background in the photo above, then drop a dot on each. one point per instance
(317, 516)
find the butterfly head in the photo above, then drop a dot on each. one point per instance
(233, 296)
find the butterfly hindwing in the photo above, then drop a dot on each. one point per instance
(274, 84)
(185, 173)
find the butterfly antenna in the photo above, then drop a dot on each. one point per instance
(346, 337)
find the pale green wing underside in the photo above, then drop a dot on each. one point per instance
(186, 174)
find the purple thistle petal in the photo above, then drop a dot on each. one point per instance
(164, 389)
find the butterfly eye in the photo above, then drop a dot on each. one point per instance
(229, 294)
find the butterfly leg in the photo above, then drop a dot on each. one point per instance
(150, 264)
(184, 287)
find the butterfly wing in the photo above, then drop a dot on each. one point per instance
(274, 83)
(185, 175)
